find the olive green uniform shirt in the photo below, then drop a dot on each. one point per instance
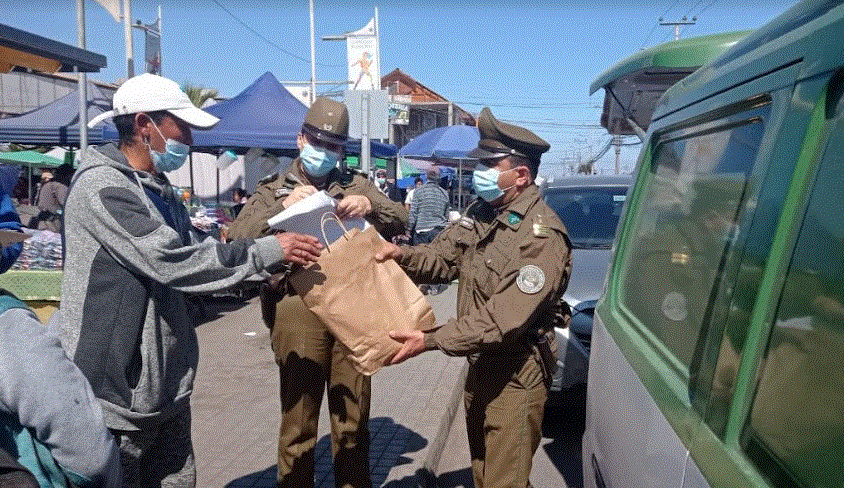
(513, 264)
(388, 217)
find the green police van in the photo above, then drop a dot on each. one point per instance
(718, 347)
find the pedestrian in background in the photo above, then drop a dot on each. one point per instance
(51, 198)
(51, 424)
(387, 185)
(307, 354)
(429, 216)
(407, 199)
(429, 209)
(129, 261)
(513, 258)
(239, 199)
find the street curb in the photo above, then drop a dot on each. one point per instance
(432, 460)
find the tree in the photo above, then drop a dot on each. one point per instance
(198, 94)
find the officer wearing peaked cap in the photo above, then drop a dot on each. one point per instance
(307, 354)
(513, 259)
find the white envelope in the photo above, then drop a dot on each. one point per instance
(305, 217)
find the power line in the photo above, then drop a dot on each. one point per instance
(515, 105)
(657, 23)
(538, 99)
(692, 8)
(271, 43)
(707, 7)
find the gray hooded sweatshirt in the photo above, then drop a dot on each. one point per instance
(129, 259)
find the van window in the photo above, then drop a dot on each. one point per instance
(795, 431)
(694, 192)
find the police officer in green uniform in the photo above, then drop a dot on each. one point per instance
(513, 259)
(307, 354)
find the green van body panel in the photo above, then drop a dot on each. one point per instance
(792, 60)
(682, 53)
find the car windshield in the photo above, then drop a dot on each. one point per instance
(590, 213)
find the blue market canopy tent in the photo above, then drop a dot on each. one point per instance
(446, 145)
(263, 115)
(57, 123)
(377, 149)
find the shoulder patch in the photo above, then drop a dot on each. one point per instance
(531, 279)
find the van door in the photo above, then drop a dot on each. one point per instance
(695, 198)
(768, 367)
(793, 433)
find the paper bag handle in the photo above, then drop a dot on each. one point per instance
(325, 218)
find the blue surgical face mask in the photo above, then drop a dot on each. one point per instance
(174, 156)
(485, 182)
(317, 161)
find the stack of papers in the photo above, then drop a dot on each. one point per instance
(314, 216)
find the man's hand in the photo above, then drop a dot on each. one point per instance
(388, 251)
(413, 344)
(299, 248)
(299, 193)
(353, 206)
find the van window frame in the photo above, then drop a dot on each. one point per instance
(726, 117)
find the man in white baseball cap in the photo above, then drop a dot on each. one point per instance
(130, 256)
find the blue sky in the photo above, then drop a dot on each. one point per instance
(531, 62)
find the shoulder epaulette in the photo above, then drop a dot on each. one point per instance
(348, 174)
(266, 179)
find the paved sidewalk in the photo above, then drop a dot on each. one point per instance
(236, 407)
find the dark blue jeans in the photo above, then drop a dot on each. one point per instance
(427, 236)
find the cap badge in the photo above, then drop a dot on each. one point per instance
(327, 126)
(514, 218)
(531, 279)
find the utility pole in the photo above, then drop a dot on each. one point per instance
(676, 25)
(160, 55)
(82, 80)
(127, 32)
(313, 54)
(377, 49)
(152, 40)
(617, 144)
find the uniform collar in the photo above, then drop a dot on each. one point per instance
(296, 175)
(513, 213)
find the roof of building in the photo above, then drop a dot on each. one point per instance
(27, 50)
(400, 83)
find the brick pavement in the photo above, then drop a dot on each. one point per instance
(236, 407)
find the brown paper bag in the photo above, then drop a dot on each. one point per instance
(361, 300)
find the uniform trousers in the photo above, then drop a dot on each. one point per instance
(505, 401)
(309, 357)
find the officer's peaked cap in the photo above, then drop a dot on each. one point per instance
(327, 120)
(499, 139)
